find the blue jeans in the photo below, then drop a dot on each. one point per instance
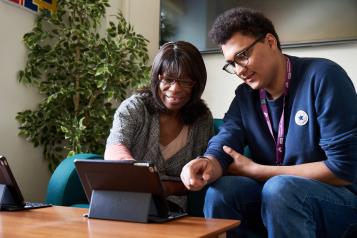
(288, 206)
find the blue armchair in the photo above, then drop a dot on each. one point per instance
(64, 187)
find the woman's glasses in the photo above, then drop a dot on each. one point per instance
(168, 81)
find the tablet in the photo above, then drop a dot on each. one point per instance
(8, 179)
(118, 175)
(119, 190)
(11, 196)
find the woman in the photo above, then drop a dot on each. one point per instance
(168, 124)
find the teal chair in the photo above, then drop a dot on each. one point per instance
(65, 189)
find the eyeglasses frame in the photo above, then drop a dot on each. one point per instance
(176, 80)
(242, 52)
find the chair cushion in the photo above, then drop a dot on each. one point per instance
(64, 187)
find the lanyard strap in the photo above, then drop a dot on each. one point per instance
(279, 141)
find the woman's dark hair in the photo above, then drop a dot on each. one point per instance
(181, 59)
(243, 20)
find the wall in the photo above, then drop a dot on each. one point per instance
(29, 169)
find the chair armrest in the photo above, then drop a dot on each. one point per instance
(216, 124)
(64, 187)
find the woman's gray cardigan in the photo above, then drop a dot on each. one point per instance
(137, 129)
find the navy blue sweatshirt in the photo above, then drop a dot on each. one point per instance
(323, 91)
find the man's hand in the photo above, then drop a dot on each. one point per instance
(241, 165)
(198, 172)
(315, 170)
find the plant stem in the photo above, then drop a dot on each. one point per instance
(92, 99)
(76, 98)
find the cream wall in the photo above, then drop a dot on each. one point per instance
(26, 161)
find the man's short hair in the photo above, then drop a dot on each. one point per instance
(243, 20)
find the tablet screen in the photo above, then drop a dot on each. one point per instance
(7, 178)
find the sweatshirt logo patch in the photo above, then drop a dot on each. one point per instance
(301, 118)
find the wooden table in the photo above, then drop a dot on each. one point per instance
(69, 222)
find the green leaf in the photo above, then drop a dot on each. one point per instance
(102, 70)
(64, 129)
(81, 125)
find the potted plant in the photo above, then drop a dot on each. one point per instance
(80, 73)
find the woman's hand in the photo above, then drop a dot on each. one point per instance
(117, 152)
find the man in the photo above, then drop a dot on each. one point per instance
(298, 116)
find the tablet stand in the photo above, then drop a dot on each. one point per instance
(120, 205)
(6, 197)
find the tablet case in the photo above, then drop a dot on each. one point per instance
(10, 193)
(123, 190)
(11, 198)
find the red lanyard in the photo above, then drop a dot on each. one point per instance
(279, 142)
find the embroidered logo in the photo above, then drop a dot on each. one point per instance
(301, 118)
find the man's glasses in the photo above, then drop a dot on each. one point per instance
(168, 81)
(241, 58)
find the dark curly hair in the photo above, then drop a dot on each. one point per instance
(178, 58)
(243, 20)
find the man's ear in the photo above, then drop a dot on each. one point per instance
(272, 42)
